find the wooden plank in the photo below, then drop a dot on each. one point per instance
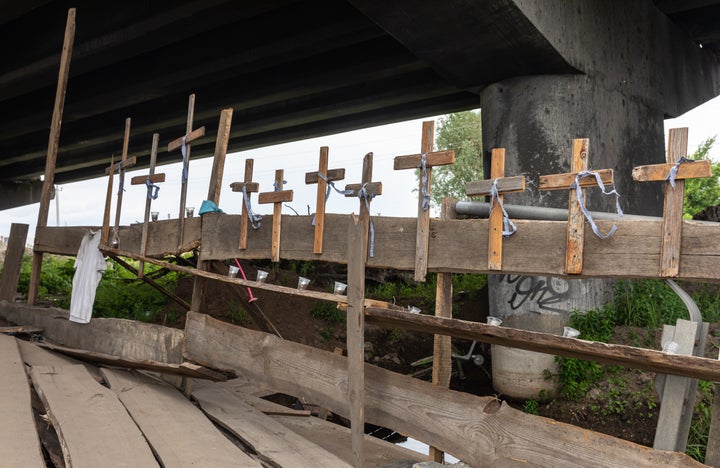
(282, 196)
(495, 221)
(479, 188)
(691, 392)
(34, 355)
(93, 426)
(320, 201)
(563, 181)
(262, 433)
(373, 189)
(462, 424)
(191, 136)
(673, 208)
(21, 330)
(249, 187)
(169, 294)
(434, 158)
(712, 454)
(660, 172)
(154, 178)
(186, 369)
(186, 157)
(108, 207)
(148, 202)
(422, 229)
(357, 242)
(178, 432)
(575, 237)
(19, 442)
(123, 164)
(13, 261)
(332, 175)
(276, 198)
(218, 167)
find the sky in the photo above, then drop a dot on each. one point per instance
(82, 203)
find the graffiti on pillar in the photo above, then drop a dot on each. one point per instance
(544, 291)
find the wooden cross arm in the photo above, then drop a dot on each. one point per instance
(129, 162)
(654, 172)
(249, 186)
(192, 136)
(276, 197)
(372, 189)
(564, 181)
(504, 185)
(332, 175)
(436, 158)
(154, 179)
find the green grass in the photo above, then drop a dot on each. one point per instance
(328, 312)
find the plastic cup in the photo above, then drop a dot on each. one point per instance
(261, 276)
(189, 211)
(233, 271)
(303, 283)
(569, 332)
(339, 287)
(154, 215)
(413, 309)
(494, 321)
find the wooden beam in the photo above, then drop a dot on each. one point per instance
(673, 207)
(169, 294)
(108, 204)
(563, 181)
(506, 184)
(249, 187)
(13, 261)
(191, 136)
(458, 423)
(52, 148)
(123, 164)
(660, 172)
(434, 158)
(221, 145)
(154, 178)
(332, 174)
(276, 197)
(21, 330)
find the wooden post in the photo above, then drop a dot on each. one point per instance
(357, 242)
(372, 189)
(674, 196)
(13, 261)
(221, 144)
(712, 454)
(153, 179)
(184, 143)
(108, 203)
(277, 198)
(121, 167)
(413, 161)
(504, 185)
(442, 348)
(52, 149)
(313, 178)
(575, 240)
(249, 187)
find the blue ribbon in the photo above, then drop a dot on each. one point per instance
(276, 187)
(424, 190)
(152, 190)
(121, 186)
(673, 170)
(186, 161)
(255, 219)
(509, 227)
(576, 185)
(330, 185)
(363, 195)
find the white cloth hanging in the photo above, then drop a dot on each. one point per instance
(89, 268)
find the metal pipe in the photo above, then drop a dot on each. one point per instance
(482, 210)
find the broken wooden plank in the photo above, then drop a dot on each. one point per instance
(34, 355)
(185, 369)
(179, 434)
(13, 261)
(93, 426)
(19, 442)
(461, 424)
(265, 435)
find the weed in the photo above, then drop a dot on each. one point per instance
(327, 334)
(531, 406)
(236, 313)
(327, 312)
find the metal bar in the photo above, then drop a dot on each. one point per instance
(482, 210)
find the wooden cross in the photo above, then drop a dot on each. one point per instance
(313, 178)
(413, 161)
(142, 180)
(277, 198)
(575, 239)
(504, 185)
(120, 167)
(250, 187)
(186, 141)
(372, 189)
(674, 196)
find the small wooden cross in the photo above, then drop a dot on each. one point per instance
(575, 240)
(185, 142)
(372, 189)
(313, 178)
(277, 198)
(250, 187)
(413, 161)
(483, 188)
(152, 178)
(120, 167)
(674, 196)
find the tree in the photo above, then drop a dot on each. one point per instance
(461, 132)
(701, 193)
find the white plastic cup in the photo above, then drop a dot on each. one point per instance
(413, 309)
(261, 276)
(303, 283)
(339, 287)
(154, 215)
(189, 211)
(233, 271)
(569, 332)
(494, 321)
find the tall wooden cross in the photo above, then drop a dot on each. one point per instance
(249, 187)
(575, 240)
(484, 188)
(330, 175)
(415, 161)
(184, 143)
(152, 190)
(120, 167)
(365, 190)
(674, 195)
(277, 198)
